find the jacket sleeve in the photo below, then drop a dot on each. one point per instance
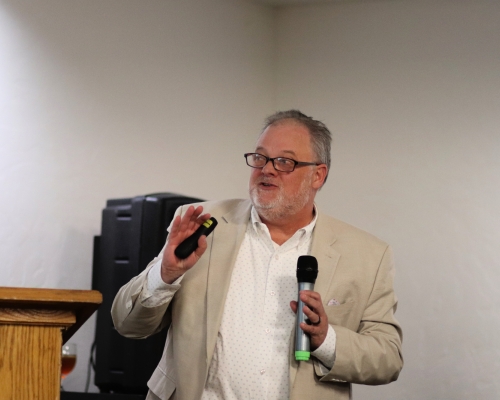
(130, 317)
(371, 355)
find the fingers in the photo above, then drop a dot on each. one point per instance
(313, 317)
(315, 312)
(192, 219)
(312, 299)
(313, 307)
(202, 246)
(183, 227)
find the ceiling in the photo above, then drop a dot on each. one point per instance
(294, 2)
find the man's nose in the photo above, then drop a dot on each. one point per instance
(269, 169)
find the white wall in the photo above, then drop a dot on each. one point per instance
(116, 98)
(412, 91)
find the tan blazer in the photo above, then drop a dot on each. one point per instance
(355, 271)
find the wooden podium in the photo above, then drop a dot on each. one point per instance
(34, 323)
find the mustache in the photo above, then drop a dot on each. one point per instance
(267, 180)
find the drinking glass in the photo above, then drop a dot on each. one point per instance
(68, 359)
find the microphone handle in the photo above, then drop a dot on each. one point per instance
(302, 340)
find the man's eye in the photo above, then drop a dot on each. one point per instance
(284, 161)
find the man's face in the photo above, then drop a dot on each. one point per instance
(276, 194)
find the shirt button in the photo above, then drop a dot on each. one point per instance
(268, 330)
(262, 371)
(276, 257)
(272, 293)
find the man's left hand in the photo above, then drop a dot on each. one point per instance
(315, 312)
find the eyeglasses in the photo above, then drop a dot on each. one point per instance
(282, 164)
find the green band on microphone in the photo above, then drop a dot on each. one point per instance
(302, 355)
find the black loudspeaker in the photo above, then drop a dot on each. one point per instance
(133, 232)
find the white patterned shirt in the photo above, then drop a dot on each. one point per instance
(251, 356)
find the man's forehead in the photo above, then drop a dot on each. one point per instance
(287, 137)
(282, 151)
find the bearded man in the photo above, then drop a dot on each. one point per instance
(230, 306)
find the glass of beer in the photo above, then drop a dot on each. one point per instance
(68, 359)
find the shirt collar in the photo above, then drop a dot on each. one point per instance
(306, 230)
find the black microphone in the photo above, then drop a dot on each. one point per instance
(190, 244)
(307, 272)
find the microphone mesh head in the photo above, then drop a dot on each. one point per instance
(307, 269)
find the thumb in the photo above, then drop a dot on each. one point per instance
(202, 246)
(293, 306)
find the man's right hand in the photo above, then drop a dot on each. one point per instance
(171, 266)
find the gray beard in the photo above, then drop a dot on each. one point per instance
(281, 207)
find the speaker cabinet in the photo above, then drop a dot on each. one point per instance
(133, 232)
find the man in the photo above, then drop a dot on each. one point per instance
(230, 305)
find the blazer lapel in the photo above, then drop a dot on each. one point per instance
(226, 243)
(322, 248)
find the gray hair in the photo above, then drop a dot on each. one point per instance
(321, 138)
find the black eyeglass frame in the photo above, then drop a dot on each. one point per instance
(295, 162)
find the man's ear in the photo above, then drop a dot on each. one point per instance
(319, 176)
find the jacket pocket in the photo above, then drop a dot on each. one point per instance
(338, 315)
